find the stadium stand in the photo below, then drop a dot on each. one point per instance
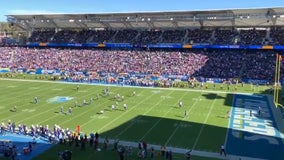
(182, 36)
(253, 36)
(225, 36)
(158, 45)
(195, 63)
(277, 36)
(143, 48)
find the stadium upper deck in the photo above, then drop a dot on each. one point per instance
(262, 17)
(234, 27)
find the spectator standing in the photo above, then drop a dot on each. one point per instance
(222, 150)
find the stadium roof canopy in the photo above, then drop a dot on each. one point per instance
(261, 17)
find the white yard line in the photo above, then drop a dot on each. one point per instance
(144, 114)
(177, 150)
(15, 102)
(228, 128)
(107, 102)
(47, 110)
(171, 136)
(204, 122)
(21, 107)
(174, 132)
(78, 115)
(127, 111)
(149, 130)
(160, 120)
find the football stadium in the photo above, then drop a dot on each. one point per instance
(177, 85)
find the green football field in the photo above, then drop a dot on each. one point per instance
(152, 115)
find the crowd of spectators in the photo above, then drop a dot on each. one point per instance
(222, 64)
(64, 36)
(277, 36)
(260, 66)
(197, 36)
(68, 137)
(225, 36)
(42, 36)
(125, 36)
(101, 36)
(149, 37)
(107, 61)
(253, 36)
(55, 134)
(173, 36)
(155, 36)
(83, 36)
(51, 135)
(191, 63)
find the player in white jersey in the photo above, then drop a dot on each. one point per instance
(185, 113)
(259, 111)
(180, 104)
(222, 150)
(15, 109)
(70, 110)
(61, 109)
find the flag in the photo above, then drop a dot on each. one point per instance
(78, 129)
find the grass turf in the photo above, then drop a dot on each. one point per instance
(152, 115)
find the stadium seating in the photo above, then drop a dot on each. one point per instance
(248, 37)
(277, 36)
(158, 63)
(154, 36)
(193, 63)
(225, 36)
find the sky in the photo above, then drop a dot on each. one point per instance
(10, 7)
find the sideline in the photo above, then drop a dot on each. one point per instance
(126, 86)
(182, 150)
(277, 116)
